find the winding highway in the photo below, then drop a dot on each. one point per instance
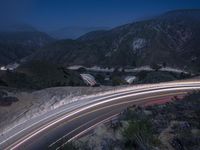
(71, 121)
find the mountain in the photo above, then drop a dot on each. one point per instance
(20, 41)
(172, 39)
(16, 27)
(73, 32)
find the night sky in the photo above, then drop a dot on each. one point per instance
(53, 14)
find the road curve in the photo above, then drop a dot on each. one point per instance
(71, 121)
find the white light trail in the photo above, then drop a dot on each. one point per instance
(109, 98)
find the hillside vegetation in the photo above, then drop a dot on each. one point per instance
(39, 75)
(171, 39)
(171, 126)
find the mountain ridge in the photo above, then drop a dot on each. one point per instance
(73, 32)
(171, 38)
(15, 45)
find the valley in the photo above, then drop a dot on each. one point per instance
(132, 85)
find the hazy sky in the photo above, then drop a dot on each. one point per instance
(52, 14)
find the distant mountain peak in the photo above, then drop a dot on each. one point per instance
(171, 38)
(74, 32)
(183, 13)
(15, 27)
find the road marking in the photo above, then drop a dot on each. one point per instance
(151, 87)
(82, 126)
(136, 100)
(90, 128)
(180, 88)
(180, 93)
(73, 113)
(120, 91)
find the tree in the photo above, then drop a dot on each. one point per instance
(155, 66)
(138, 134)
(142, 74)
(164, 64)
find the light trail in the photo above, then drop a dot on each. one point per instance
(90, 128)
(137, 100)
(122, 94)
(99, 99)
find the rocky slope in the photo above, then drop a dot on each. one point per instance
(171, 39)
(18, 42)
(23, 105)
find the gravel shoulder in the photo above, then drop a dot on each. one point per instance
(34, 103)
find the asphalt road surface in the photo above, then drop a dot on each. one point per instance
(70, 121)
